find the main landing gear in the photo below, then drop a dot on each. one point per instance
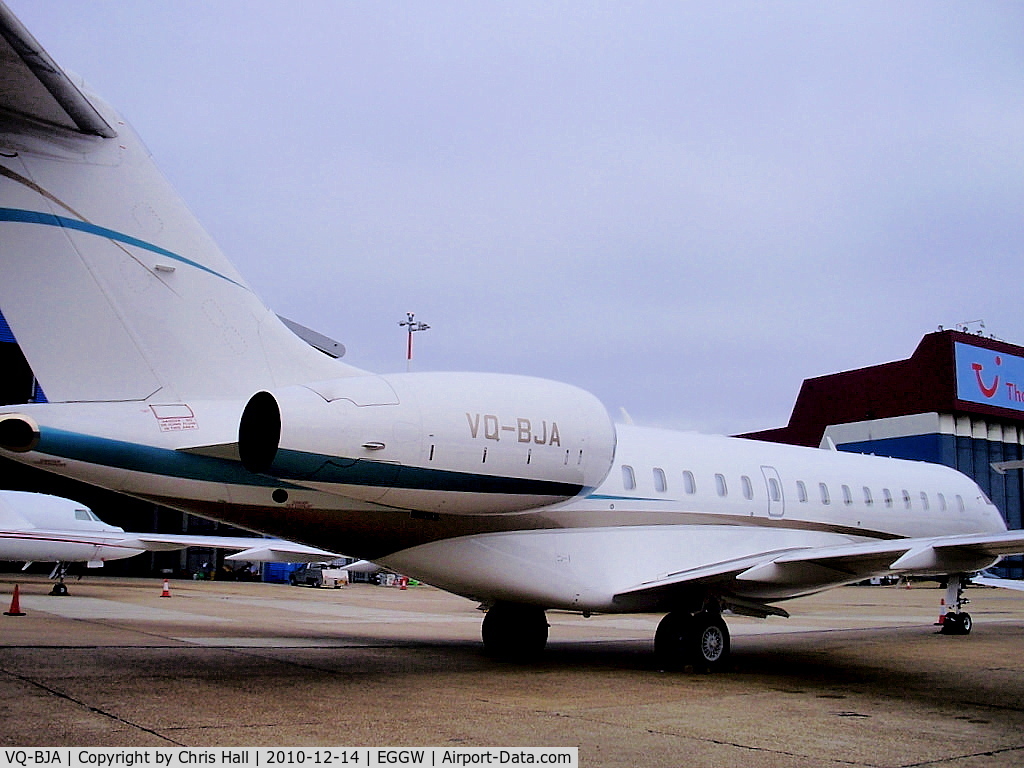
(700, 640)
(518, 633)
(955, 621)
(515, 632)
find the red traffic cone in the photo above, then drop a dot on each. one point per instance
(167, 589)
(15, 603)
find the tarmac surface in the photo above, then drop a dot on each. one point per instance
(858, 677)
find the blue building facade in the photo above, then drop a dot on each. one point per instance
(958, 400)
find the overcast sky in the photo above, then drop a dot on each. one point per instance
(686, 209)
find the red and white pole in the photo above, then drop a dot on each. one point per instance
(412, 326)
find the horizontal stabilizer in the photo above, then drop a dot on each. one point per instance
(35, 87)
(318, 341)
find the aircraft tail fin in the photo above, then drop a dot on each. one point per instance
(109, 284)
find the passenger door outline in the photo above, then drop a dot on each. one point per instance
(776, 496)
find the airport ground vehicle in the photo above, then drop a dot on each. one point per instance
(318, 575)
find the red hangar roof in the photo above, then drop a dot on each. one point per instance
(949, 372)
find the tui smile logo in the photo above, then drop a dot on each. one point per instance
(987, 391)
(988, 377)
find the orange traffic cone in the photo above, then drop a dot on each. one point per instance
(942, 613)
(167, 589)
(15, 603)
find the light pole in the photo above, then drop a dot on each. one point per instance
(412, 326)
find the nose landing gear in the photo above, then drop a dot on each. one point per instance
(59, 589)
(955, 621)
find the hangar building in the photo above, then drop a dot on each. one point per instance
(957, 400)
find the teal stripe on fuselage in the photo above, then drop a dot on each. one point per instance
(294, 466)
(299, 466)
(606, 497)
(52, 220)
(149, 459)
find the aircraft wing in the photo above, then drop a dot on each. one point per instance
(774, 573)
(289, 553)
(252, 549)
(363, 566)
(991, 581)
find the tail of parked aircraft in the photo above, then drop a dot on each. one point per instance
(110, 286)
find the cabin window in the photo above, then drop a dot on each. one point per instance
(825, 498)
(887, 497)
(847, 496)
(628, 478)
(720, 485)
(748, 489)
(906, 498)
(660, 484)
(774, 490)
(801, 491)
(868, 500)
(924, 500)
(942, 502)
(689, 484)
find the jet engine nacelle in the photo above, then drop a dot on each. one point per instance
(460, 443)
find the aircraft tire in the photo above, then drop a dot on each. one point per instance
(957, 624)
(514, 632)
(670, 639)
(700, 640)
(710, 642)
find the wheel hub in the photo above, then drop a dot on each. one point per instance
(712, 644)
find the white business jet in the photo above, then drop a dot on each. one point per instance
(36, 527)
(169, 380)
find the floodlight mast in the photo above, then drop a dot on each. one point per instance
(411, 326)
